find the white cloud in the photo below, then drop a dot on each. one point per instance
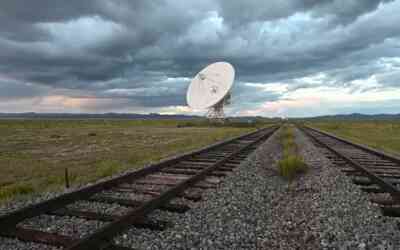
(317, 99)
(173, 110)
(81, 33)
(278, 88)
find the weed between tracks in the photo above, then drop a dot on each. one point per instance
(291, 164)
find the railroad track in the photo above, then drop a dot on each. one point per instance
(373, 171)
(143, 191)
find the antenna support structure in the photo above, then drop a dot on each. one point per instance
(216, 111)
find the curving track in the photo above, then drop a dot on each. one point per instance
(375, 172)
(154, 187)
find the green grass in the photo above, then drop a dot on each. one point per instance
(107, 168)
(16, 189)
(382, 135)
(35, 153)
(291, 163)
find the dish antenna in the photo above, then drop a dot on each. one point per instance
(210, 89)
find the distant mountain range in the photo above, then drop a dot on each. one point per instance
(32, 115)
(358, 116)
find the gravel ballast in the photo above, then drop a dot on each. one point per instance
(254, 208)
(346, 219)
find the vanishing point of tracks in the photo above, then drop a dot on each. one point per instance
(375, 172)
(151, 188)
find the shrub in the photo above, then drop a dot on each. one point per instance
(290, 166)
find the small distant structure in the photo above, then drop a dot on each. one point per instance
(211, 89)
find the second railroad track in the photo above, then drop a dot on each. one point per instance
(376, 173)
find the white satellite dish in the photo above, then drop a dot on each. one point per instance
(210, 89)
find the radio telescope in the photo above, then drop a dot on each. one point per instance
(210, 89)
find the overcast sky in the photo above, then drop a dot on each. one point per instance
(292, 58)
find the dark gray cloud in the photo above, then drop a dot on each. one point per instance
(338, 11)
(15, 90)
(145, 51)
(346, 11)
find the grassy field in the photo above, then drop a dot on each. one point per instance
(383, 135)
(35, 153)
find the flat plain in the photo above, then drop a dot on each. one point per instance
(35, 153)
(382, 135)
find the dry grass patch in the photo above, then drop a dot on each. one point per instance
(291, 164)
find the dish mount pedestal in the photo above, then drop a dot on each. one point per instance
(216, 111)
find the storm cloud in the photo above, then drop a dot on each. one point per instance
(139, 56)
